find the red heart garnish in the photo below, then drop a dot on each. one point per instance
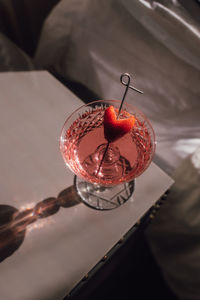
(115, 128)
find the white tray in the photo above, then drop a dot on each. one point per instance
(59, 250)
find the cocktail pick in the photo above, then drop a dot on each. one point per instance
(127, 84)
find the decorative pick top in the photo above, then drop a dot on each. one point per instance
(115, 128)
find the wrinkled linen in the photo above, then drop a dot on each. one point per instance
(13, 58)
(174, 235)
(93, 42)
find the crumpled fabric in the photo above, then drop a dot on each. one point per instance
(93, 42)
(12, 58)
(174, 234)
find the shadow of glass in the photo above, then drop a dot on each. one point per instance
(13, 222)
(10, 237)
(69, 197)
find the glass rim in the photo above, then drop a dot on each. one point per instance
(107, 101)
(137, 110)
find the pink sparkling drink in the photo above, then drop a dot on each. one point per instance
(83, 145)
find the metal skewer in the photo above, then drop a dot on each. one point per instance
(127, 84)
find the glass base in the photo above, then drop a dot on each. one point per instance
(101, 197)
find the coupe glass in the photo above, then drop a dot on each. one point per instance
(105, 172)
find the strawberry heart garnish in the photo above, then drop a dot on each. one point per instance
(115, 128)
